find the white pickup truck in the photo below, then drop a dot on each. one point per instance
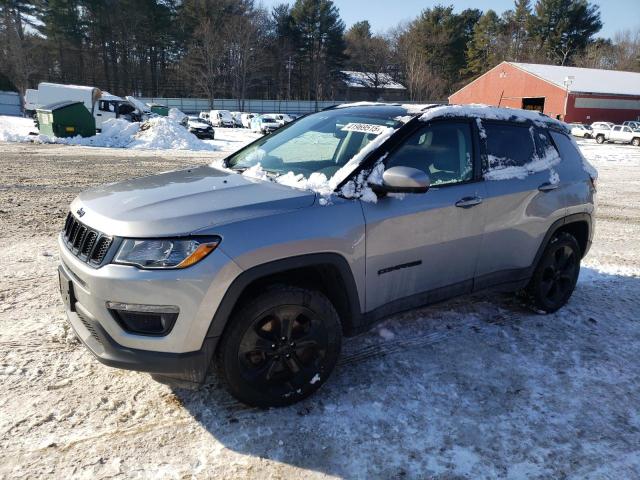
(617, 134)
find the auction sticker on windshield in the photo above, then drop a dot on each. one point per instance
(364, 128)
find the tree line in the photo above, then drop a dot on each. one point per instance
(238, 49)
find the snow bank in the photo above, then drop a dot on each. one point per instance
(158, 133)
(176, 115)
(15, 129)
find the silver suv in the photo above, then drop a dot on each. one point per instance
(261, 264)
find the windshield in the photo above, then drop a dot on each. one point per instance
(322, 142)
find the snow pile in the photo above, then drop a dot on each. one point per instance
(15, 129)
(176, 115)
(158, 133)
(116, 133)
(164, 133)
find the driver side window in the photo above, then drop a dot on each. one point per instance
(442, 150)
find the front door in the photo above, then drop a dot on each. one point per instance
(104, 112)
(422, 247)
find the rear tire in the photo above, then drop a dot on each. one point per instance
(556, 275)
(280, 346)
(600, 139)
(635, 142)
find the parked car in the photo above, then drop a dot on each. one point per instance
(205, 116)
(632, 123)
(30, 102)
(264, 124)
(581, 130)
(281, 118)
(200, 128)
(619, 134)
(602, 125)
(237, 119)
(601, 131)
(174, 272)
(246, 119)
(102, 105)
(221, 118)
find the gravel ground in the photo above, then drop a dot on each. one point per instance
(478, 387)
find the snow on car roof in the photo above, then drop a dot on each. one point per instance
(590, 80)
(483, 112)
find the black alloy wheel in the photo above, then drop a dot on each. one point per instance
(281, 347)
(557, 273)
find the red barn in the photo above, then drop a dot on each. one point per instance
(571, 94)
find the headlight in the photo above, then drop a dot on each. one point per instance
(165, 253)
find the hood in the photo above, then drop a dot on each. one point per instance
(181, 202)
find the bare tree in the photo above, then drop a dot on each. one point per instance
(202, 63)
(15, 53)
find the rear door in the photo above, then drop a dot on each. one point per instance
(525, 195)
(426, 245)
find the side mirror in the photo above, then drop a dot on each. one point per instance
(403, 180)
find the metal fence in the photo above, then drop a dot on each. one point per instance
(194, 105)
(10, 104)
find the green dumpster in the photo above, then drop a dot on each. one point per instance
(158, 109)
(66, 119)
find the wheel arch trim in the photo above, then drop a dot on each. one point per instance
(253, 274)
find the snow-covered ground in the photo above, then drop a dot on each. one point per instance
(479, 387)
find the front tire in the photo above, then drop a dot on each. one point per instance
(600, 139)
(280, 346)
(556, 275)
(635, 142)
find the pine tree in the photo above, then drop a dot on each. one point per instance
(482, 52)
(320, 34)
(519, 29)
(563, 28)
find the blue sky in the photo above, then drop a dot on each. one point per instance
(384, 14)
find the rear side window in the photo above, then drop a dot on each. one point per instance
(544, 144)
(508, 145)
(567, 150)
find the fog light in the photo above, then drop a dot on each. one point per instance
(144, 319)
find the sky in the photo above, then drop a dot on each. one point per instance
(383, 15)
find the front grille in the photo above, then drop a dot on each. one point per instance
(89, 245)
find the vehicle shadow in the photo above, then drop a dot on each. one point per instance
(479, 386)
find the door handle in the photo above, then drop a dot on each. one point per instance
(547, 187)
(468, 202)
(98, 114)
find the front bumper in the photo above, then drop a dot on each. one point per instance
(204, 133)
(191, 367)
(197, 292)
